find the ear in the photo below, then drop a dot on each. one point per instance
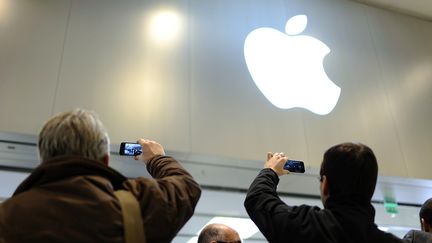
(324, 190)
(425, 226)
(325, 186)
(105, 159)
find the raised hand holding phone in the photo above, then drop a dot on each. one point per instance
(280, 164)
(150, 149)
(295, 166)
(276, 161)
(130, 149)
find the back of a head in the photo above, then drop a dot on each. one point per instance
(218, 232)
(426, 211)
(77, 132)
(351, 170)
(208, 234)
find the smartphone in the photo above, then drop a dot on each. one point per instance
(130, 149)
(294, 166)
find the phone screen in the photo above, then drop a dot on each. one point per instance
(294, 166)
(130, 149)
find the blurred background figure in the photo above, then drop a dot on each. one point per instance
(218, 233)
(425, 234)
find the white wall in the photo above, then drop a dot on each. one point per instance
(195, 94)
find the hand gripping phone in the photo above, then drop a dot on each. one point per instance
(295, 166)
(130, 149)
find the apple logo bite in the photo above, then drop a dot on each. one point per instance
(288, 68)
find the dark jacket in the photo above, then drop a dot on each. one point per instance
(70, 199)
(343, 220)
(417, 236)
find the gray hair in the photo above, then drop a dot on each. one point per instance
(77, 132)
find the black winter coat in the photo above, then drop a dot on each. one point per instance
(342, 220)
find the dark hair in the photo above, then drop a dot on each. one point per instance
(351, 170)
(426, 211)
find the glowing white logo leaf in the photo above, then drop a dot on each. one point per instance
(288, 68)
(296, 25)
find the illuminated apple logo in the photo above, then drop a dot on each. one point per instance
(288, 68)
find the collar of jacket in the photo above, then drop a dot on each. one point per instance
(62, 167)
(355, 214)
(353, 202)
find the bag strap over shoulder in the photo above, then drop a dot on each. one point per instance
(132, 221)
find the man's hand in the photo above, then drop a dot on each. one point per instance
(150, 149)
(276, 162)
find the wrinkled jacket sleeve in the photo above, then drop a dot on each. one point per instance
(275, 219)
(167, 200)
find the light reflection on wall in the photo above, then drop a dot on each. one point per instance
(140, 87)
(3, 10)
(417, 80)
(165, 26)
(148, 82)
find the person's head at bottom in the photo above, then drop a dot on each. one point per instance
(426, 216)
(218, 233)
(348, 172)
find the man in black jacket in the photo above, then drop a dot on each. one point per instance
(425, 235)
(348, 176)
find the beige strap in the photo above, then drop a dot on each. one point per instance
(132, 221)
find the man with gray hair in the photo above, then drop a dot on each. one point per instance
(218, 233)
(70, 196)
